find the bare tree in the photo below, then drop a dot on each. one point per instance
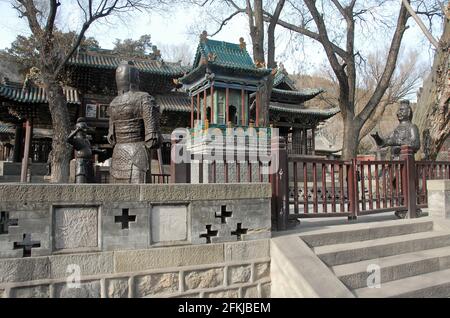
(343, 56)
(41, 17)
(404, 82)
(433, 115)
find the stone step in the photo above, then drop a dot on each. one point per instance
(354, 275)
(364, 232)
(431, 285)
(338, 254)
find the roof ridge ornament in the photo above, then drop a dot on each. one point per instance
(260, 64)
(212, 57)
(33, 77)
(242, 43)
(204, 36)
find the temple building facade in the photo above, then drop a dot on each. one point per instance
(221, 88)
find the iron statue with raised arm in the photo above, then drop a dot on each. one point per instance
(406, 133)
(134, 128)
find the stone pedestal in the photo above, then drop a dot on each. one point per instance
(240, 156)
(439, 198)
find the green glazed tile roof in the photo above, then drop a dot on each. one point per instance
(175, 101)
(15, 93)
(295, 109)
(105, 60)
(223, 56)
(282, 77)
(226, 54)
(7, 129)
(307, 92)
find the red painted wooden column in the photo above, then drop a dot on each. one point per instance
(192, 111)
(313, 141)
(211, 120)
(26, 155)
(204, 108)
(198, 106)
(227, 105)
(258, 101)
(243, 107)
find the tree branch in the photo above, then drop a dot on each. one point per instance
(225, 21)
(271, 34)
(331, 54)
(422, 26)
(54, 4)
(315, 36)
(389, 67)
(31, 13)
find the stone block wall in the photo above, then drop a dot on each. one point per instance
(439, 198)
(135, 240)
(239, 269)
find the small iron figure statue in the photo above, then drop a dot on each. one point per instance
(406, 132)
(79, 139)
(134, 128)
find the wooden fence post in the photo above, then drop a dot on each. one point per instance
(280, 185)
(352, 184)
(409, 180)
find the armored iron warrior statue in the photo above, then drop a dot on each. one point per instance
(84, 168)
(133, 128)
(406, 133)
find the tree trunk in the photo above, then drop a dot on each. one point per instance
(350, 138)
(61, 150)
(433, 105)
(373, 120)
(266, 92)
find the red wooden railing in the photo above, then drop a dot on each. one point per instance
(327, 188)
(305, 187)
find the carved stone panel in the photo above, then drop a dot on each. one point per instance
(75, 228)
(169, 223)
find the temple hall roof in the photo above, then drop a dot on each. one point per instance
(224, 57)
(282, 80)
(106, 59)
(13, 91)
(174, 101)
(321, 114)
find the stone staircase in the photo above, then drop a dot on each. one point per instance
(413, 257)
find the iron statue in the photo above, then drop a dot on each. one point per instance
(406, 133)
(134, 128)
(79, 139)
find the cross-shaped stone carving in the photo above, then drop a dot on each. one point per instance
(239, 231)
(209, 233)
(27, 244)
(125, 219)
(224, 214)
(5, 222)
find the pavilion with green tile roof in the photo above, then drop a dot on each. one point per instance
(224, 90)
(296, 122)
(221, 82)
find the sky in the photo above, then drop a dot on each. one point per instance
(175, 28)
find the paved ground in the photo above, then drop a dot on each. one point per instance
(310, 224)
